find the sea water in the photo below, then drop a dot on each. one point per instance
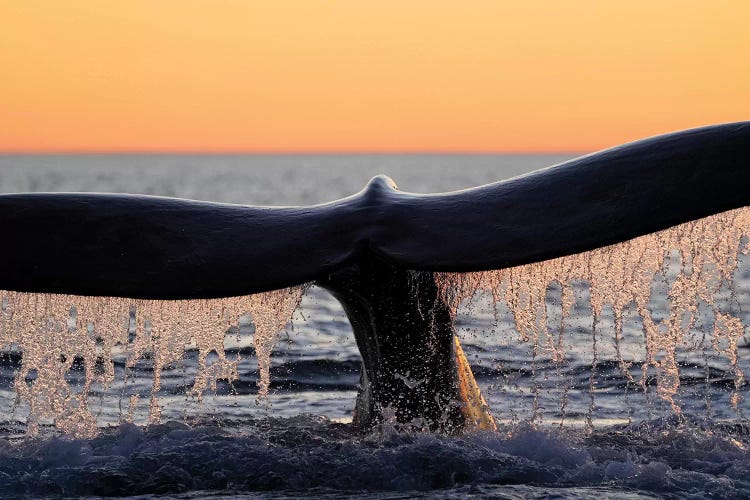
(602, 385)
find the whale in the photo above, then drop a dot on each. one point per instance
(376, 251)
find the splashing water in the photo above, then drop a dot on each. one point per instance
(53, 331)
(697, 259)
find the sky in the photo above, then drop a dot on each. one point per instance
(365, 75)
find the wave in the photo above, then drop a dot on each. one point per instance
(308, 454)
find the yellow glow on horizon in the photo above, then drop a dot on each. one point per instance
(365, 75)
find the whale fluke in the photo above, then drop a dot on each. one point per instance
(377, 251)
(163, 248)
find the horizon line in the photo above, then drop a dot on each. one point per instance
(273, 152)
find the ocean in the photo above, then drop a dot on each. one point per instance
(581, 427)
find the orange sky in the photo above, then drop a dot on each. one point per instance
(361, 75)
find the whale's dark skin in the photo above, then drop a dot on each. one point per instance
(163, 248)
(361, 247)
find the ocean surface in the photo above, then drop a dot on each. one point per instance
(580, 428)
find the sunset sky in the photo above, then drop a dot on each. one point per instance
(365, 76)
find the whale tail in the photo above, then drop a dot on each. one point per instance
(377, 251)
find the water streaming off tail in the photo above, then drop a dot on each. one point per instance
(679, 284)
(675, 289)
(53, 332)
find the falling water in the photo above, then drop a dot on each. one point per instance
(53, 331)
(697, 259)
